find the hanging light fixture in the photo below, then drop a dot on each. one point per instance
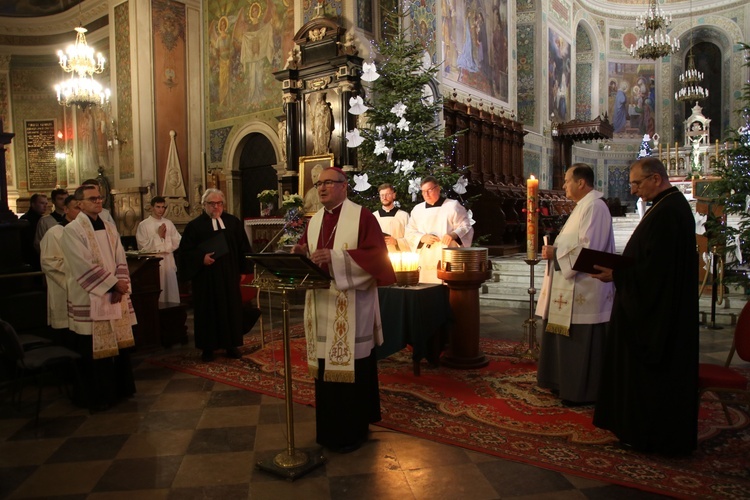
(690, 81)
(692, 90)
(81, 89)
(653, 42)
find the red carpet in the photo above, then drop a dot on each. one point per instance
(499, 410)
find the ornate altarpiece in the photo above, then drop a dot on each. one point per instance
(326, 69)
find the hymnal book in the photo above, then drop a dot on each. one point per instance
(216, 244)
(588, 258)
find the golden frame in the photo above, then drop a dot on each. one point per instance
(306, 166)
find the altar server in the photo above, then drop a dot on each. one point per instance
(157, 234)
(575, 307)
(342, 324)
(53, 265)
(435, 224)
(392, 219)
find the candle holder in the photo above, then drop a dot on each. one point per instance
(528, 348)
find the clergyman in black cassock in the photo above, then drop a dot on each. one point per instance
(212, 256)
(649, 387)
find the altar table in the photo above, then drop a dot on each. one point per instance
(414, 315)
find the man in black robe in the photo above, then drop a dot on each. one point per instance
(212, 256)
(649, 387)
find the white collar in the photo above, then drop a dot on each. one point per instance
(218, 224)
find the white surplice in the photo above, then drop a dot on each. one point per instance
(53, 265)
(149, 241)
(450, 217)
(589, 225)
(95, 261)
(395, 227)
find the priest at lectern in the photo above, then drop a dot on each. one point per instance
(342, 323)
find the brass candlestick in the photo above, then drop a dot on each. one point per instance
(528, 348)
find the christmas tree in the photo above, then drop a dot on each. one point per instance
(400, 139)
(732, 193)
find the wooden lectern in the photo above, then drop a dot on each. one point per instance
(285, 272)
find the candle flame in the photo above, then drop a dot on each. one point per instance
(532, 177)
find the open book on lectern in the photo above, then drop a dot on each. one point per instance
(289, 266)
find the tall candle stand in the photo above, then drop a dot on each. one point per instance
(528, 348)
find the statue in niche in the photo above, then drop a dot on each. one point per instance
(321, 123)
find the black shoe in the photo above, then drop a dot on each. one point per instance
(208, 355)
(234, 353)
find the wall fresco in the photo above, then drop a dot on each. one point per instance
(475, 45)
(246, 43)
(558, 75)
(631, 94)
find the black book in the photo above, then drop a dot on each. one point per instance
(588, 258)
(216, 244)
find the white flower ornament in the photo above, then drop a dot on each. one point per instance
(399, 109)
(380, 147)
(415, 186)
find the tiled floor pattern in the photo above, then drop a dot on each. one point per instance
(185, 437)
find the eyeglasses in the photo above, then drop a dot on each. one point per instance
(639, 181)
(94, 199)
(327, 184)
(427, 191)
(215, 203)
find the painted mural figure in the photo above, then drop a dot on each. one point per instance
(223, 47)
(256, 49)
(621, 107)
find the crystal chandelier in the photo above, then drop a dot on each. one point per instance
(691, 79)
(81, 89)
(653, 42)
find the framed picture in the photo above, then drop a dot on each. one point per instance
(310, 168)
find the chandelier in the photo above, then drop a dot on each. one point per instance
(653, 42)
(691, 79)
(81, 89)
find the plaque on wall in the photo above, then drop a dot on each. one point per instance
(41, 165)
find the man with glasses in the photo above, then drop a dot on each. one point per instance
(435, 224)
(212, 256)
(99, 308)
(575, 307)
(649, 385)
(342, 323)
(392, 219)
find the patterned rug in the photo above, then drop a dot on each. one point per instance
(499, 410)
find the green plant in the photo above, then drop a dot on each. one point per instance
(401, 140)
(732, 193)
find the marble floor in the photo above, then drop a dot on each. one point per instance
(185, 437)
